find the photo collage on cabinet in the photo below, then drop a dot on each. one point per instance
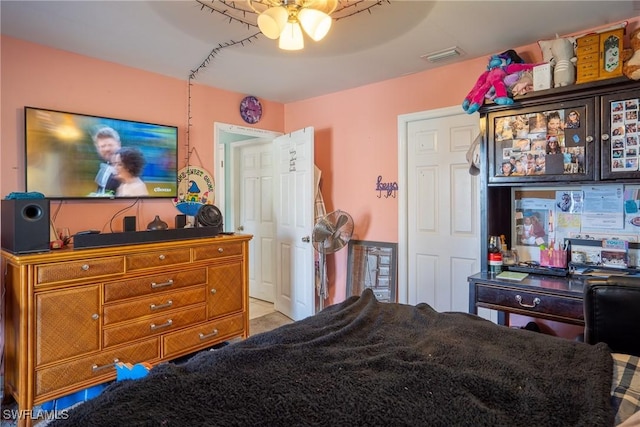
(624, 135)
(540, 143)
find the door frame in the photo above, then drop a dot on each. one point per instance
(227, 140)
(403, 238)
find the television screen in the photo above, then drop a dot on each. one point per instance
(74, 156)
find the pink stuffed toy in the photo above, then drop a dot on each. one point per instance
(492, 81)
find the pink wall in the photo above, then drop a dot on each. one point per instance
(356, 130)
(37, 76)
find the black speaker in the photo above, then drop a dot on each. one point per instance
(129, 223)
(181, 221)
(25, 225)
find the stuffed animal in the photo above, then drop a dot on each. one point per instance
(631, 67)
(492, 81)
(563, 62)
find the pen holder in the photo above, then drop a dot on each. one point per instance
(553, 258)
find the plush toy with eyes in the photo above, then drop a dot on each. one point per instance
(492, 81)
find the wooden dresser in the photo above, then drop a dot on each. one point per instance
(71, 315)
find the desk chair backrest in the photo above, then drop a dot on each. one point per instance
(612, 313)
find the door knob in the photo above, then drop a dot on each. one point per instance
(240, 228)
(306, 239)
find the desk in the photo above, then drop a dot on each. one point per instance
(545, 297)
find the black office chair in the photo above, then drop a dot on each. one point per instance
(612, 313)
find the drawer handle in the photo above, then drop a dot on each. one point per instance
(220, 250)
(213, 291)
(207, 336)
(536, 301)
(155, 285)
(160, 306)
(85, 267)
(162, 257)
(164, 325)
(96, 368)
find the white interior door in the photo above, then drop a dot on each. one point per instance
(439, 209)
(294, 206)
(257, 216)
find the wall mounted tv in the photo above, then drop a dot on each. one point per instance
(71, 156)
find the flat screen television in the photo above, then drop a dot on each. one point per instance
(71, 156)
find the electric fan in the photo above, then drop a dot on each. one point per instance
(331, 233)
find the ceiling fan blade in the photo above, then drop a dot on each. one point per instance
(326, 6)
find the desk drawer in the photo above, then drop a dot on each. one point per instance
(532, 303)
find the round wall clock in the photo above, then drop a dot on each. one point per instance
(251, 109)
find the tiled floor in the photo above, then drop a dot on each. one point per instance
(258, 308)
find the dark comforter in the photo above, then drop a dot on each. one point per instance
(365, 363)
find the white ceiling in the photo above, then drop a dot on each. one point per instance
(174, 38)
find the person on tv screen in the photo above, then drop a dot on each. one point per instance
(107, 142)
(128, 164)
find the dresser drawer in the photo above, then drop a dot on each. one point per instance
(152, 305)
(153, 325)
(589, 50)
(533, 303)
(154, 283)
(589, 39)
(158, 259)
(203, 335)
(216, 251)
(96, 367)
(79, 270)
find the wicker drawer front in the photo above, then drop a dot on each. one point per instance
(204, 335)
(153, 305)
(534, 303)
(99, 366)
(152, 284)
(154, 325)
(158, 259)
(217, 251)
(79, 270)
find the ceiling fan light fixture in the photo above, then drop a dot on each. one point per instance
(272, 21)
(291, 37)
(315, 23)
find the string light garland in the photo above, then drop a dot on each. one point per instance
(239, 12)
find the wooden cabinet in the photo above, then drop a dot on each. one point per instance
(599, 56)
(71, 315)
(607, 132)
(594, 102)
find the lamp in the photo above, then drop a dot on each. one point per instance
(285, 19)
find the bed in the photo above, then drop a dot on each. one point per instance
(367, 363)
